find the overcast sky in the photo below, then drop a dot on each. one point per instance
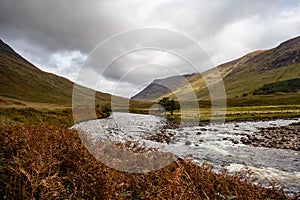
(66, 36)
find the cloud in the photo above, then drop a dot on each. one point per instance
(58, 35)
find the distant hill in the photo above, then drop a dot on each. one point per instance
(160, 87)
(241, 77)
(21, 80)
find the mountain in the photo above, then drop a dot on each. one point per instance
(160, 87)
(21, 80)
(241, 77)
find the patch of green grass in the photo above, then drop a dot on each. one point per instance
(264, 108)
(250, 107)
(61, 117)
(261, 116)
(265, 100)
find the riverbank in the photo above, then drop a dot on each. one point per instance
(49, 162)
(219, 144)
(284, 137)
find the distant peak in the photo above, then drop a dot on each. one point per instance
(6, 49)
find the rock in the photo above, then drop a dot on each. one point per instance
(187, 143)
(245, 140)
(235, 142)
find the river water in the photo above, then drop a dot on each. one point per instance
(218, 144)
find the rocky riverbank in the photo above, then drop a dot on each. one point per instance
(284, 137)
(221, 144)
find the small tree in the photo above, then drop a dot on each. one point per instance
(169, 105)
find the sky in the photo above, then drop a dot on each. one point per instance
(119, 46)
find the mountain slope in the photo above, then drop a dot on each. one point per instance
(244, 75)
(160, 87)
(21, 80)
(277, 64)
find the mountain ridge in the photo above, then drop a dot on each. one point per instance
(243, 75)
(21, 80)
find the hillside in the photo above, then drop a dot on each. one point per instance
(20, 80)
(277, 64)
(242, 76)
(160, 87)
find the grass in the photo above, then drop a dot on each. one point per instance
(63, 117)
(261, 116)
(251, 107)
(276, 99)
(236, 116)
(239, 109)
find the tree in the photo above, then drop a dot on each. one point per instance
(169, 105)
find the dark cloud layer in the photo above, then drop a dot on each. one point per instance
(58, 35)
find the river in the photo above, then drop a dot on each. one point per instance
(218, 144)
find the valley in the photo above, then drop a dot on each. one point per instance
(254, 153)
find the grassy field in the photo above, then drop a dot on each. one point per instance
(250, 107)
(238, 108)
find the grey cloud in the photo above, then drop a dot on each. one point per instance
(224, 29)
(57, 25)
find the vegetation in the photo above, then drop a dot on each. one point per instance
(287, 86)
(61, 117)
(169, 105)
(251, 107)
